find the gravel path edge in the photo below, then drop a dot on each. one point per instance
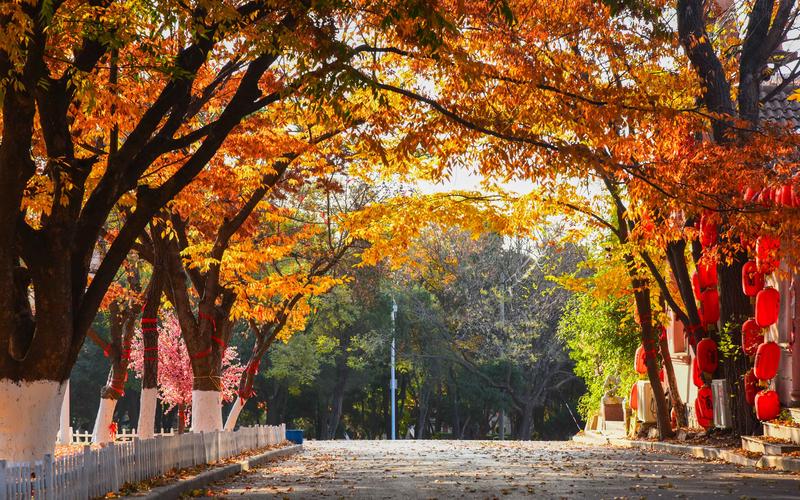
(786, 464)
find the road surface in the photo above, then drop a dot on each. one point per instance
(490, 469)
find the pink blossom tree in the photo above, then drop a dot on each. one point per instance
(175, 376)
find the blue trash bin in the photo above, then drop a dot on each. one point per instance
(294, 435)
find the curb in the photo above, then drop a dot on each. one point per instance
(174, 490)
(787, 464)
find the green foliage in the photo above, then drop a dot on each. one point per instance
(602, 341)
(729, 349)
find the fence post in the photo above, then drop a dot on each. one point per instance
(47, 482)
(3, 481)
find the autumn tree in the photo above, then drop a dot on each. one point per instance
(314, 263)
(111, 102)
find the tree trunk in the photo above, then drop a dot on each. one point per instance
(122, 315)
(675, 396)
(181, 418)
(649, 341)
(149, 323)
(206, 395)
(29, 418)
(525, 430)
(735, 308)
(233, 416)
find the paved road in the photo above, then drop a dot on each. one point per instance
(485, 469)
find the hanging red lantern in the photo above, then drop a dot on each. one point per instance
(696, 285)
(641, 361)
(707, 356)
(634, 398)
(767, 249)
(750, 387)
(750, 194)
(795, 197)
(751, 337)
(785, 195)
(768, 405)
(708, 230)
(768, 303)
(752, 280)
(709, 305)
(768, 358)
(763, 197)
(697, 378)
(704, 407)
(707, 273)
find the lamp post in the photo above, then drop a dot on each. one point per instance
(393, 380)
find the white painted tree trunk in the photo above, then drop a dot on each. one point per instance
(105, 415)
(147, 413)
(29, 418)
(206, 411)
(233, 416)
(65, 430)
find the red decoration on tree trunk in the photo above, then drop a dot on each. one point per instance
(752, 279)
(634, 399)
(768, 406)
(751, 337)
(768, 303)
(768, 357)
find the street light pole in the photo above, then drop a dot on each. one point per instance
(393, 381)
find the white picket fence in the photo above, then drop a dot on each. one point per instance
(81, 437)
(94, 472)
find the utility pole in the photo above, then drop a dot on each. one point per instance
(393, 381)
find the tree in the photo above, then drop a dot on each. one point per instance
(72, 150)
(175, 375)
(502, 310)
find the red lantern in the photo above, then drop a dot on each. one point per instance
(696, 285)
(768, 303)
(750, 194)
(641, 361)
(708, 231)
(707, 274)
(752, 280)
(697, 379)
(707, 357)
(634, 399)
(768, 357)
(750, 387)
(704, 407)
(785, 195)
(768, 406)
(767, 249)
(763, 197)
(673, 419)
(709, 305)
(751, 337)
